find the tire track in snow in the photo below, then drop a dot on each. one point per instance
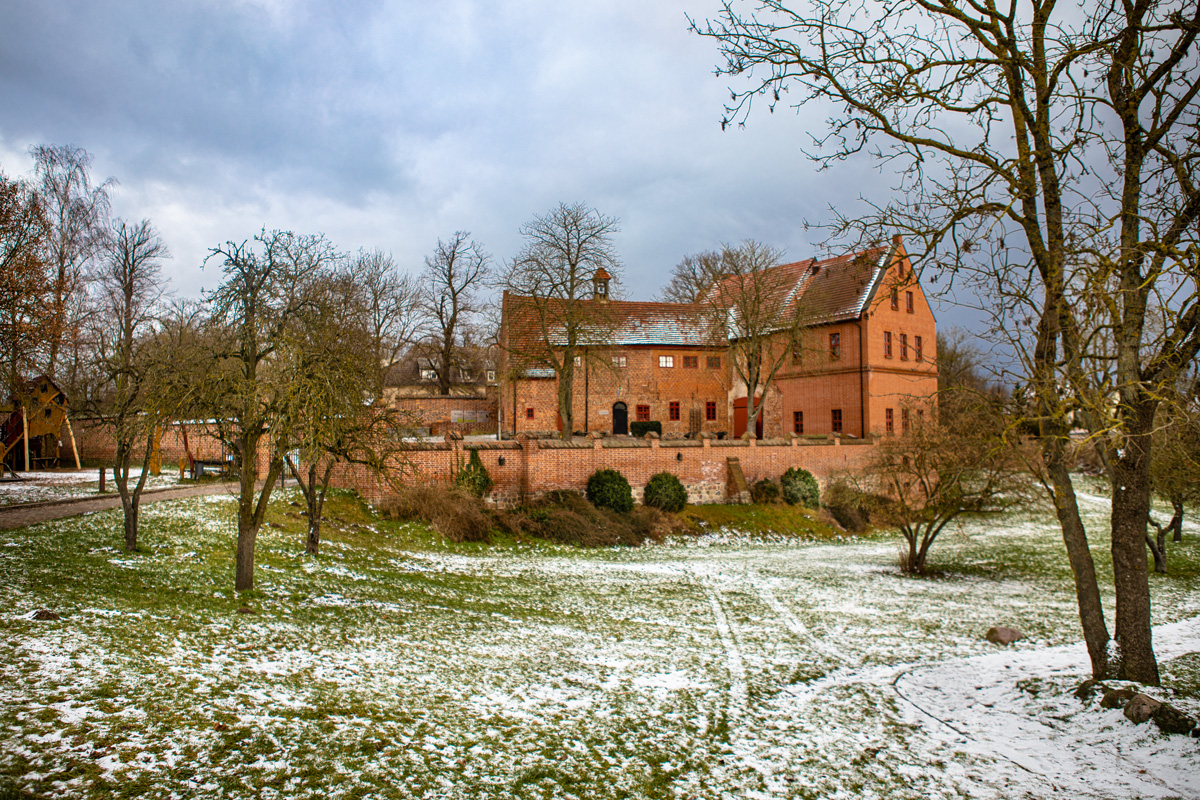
(738, 706)
(738, 690)
(791, 621)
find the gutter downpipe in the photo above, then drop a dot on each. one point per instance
(862, 400)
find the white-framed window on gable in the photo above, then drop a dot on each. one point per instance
(491, 376)
(666, 361)
(428, 374)
(619, 362)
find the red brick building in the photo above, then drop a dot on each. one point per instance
(863, 362)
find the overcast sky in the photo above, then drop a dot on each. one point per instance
(392, 124)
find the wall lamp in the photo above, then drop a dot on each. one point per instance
(679, 456)
(500, 461)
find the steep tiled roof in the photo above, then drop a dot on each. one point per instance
(659, 323)
(832, 290)
(819, 291)
(616, 322)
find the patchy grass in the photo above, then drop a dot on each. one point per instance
(773, 520)
(397, 664)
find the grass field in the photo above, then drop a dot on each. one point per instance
(721, 665)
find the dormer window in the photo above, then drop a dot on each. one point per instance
(600, 284)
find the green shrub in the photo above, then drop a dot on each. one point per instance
(474, 478)
(642, 427)
(608, 488)
(664, 491)
(764, 492)
(800, 488)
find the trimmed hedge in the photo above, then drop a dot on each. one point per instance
(641, 428)
(608, 488)
(800, 488)
(665, 492)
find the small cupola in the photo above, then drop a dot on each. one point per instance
(600, 284)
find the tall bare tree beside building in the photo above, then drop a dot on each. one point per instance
(752, 312)
(392, 303)
(78, 213)
(454, 274)
(553, 279)
(1045, 151)
(692, 277)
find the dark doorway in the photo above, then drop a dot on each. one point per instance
(620, 418)
(741, 417)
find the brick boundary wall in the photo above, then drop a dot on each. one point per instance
(533, 467)
(96, 443)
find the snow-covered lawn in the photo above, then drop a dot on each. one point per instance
(36, 487)
(712, 667)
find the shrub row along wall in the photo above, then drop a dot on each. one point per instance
(532, 467)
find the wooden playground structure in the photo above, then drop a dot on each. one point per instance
(32, 423)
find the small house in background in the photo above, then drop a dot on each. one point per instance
(470, 408)
(36, 417)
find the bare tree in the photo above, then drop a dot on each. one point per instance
(25, 284)
(266, 286)
(78, 214)
(1046, 152)
(553, 279)
(128, 288)
(939, 470)
(331, 417)
(453, 276)
(748, 303)
(392, 302)
(692, 277)
(1175, 466)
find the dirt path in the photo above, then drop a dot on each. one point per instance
(32, 513)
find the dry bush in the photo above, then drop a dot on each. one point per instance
(568, 518)
(848, 506)
(452, 512)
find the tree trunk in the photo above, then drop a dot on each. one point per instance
(912, 566)
(566, 396)
(1087, 590)
(1130, 510)
(315, 503)
(247, 526)
(244, 570)
(1176, 519)
(128, 502)
(130, 506)
(1158, 548)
